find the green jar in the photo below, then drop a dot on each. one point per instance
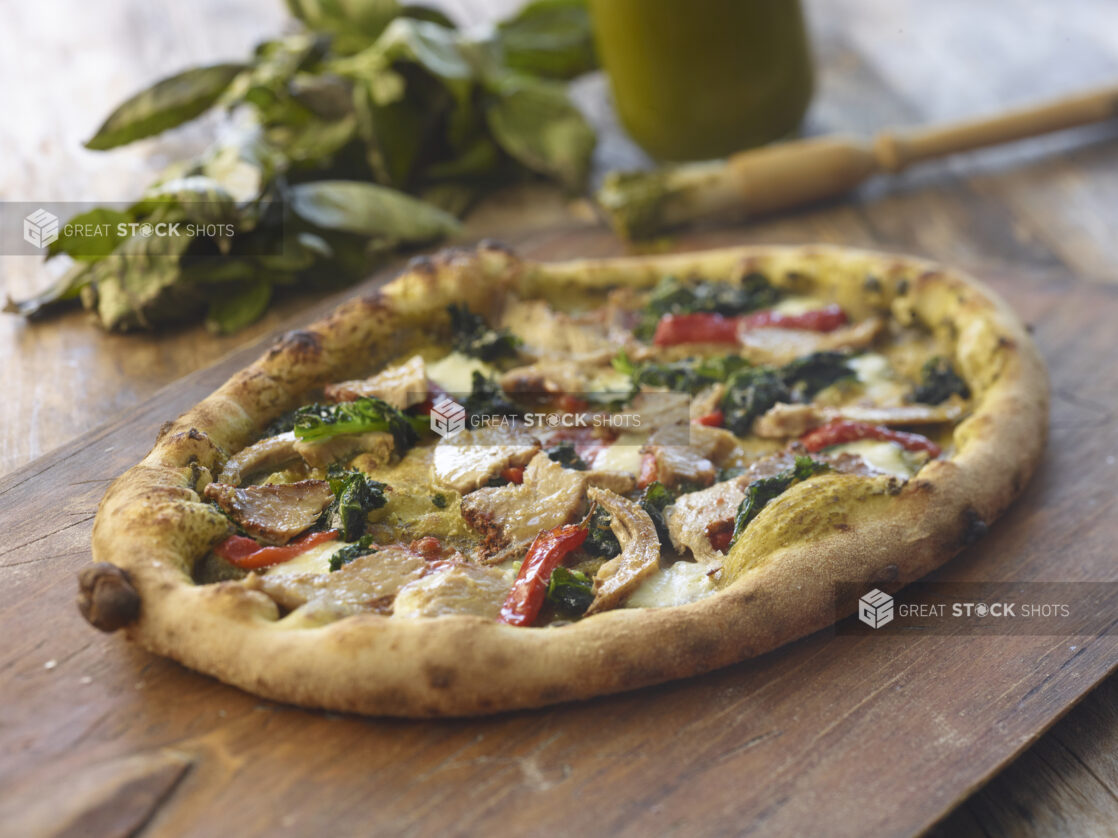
(697, 79)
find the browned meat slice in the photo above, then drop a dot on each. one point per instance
(640, 551)
(401, 386)
(270, 454)
(687, 454)
(274, 513)
(471, 459)
(368, 583)
(547, 332)
(779, 346)
(693, 517)
(460, 589)
(544, 378)
(619, 482)
(509, 517)
(789, 420)
(323, 454)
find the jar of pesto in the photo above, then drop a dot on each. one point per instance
(697, 79)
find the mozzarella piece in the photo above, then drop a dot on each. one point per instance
(887, 457)
(799, 305)
(455, 372)
(879, 383)
(314, 560)
(624, 455)
(679, 584)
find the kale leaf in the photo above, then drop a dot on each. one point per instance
(763, 490)
(565, 455)
(355, 496)
(655, 499)
(752, 391)
(472, 336)
(600, 540)
(570, 591)
(315, 422)
(361, 547)
(688, 375)
(674, 296)
(487, 399)
(938, 382)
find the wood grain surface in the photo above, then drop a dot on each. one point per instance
(833, 736)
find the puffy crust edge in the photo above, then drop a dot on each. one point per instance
(152, 524)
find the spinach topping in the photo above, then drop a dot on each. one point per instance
(686, 376)
(355, 496)
(565, 455)
(487, 399)
(439, 500)
(600, 540)
(673, 296)
(316, 422)
(361, 547)
(472, 336)
(760, 492)
(938, 382)
(751, 391)
(655, 499)
(570, 591)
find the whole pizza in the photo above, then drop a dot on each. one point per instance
(497, 483)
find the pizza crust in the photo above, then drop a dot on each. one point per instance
(870, 532)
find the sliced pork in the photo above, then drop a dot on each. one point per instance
(509, 517)
(401, 386)
(640, 551)
(471, 459)
(274, 513)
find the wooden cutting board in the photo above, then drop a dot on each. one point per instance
(836, 735)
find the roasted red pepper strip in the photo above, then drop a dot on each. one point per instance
(547, 552)
(711, 420)
(650, 469)
(695, 328)
(513, 474)
(821, 320)
(705, 327)
(843, 430)
(248, 555)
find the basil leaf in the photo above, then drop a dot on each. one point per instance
(102, 222)
(353, 23)
(236, 308)
(536, 124)
(370, 210)
(550, 38)
(65, 289)
(164, 105)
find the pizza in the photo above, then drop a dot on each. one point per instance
(496, 483)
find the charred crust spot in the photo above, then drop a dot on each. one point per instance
(440, 677)
(197, 435)
(872, 284)
(974, 528)
(106, 597)
(164, 429)
(1006, 343)
(299, 343)
(903, 286)
(922, 486)
(842, 527)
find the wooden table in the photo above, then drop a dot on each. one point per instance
(1037, 220)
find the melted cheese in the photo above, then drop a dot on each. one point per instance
(314, 560)
(608, 381)
(799, 305)
(624, 455)
(879, 382)
(455, 372)
(679, 584)
(888, 457)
